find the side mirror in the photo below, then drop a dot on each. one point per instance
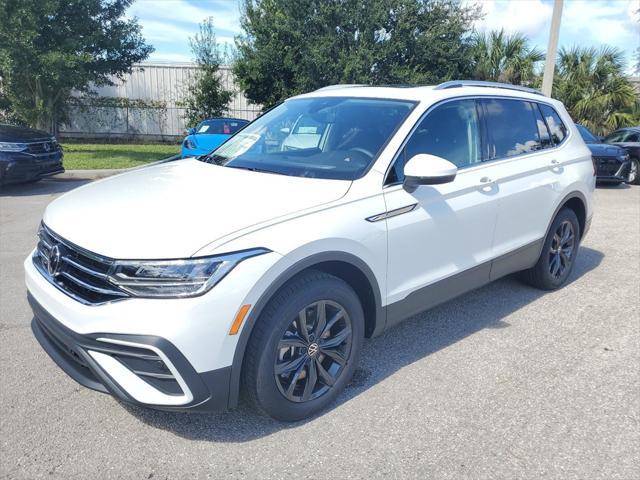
(424, 169)
(191, 131)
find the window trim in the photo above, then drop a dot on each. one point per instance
(484, 133)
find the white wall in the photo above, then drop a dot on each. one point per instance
(166, 82)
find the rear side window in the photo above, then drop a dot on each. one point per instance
(556, 127)
(543, 132)
(512, 127)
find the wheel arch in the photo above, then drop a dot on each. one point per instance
(577, 203)
(345, 266)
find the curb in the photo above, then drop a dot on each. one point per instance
(75, 175)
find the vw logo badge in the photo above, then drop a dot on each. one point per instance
(47, 147)
(55, 258)
(313, 349)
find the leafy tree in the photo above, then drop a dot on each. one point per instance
(50, 47)
(206, 96)
(592, 85)
(294, 46)
(500, 57)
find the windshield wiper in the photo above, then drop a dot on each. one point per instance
(255, 169)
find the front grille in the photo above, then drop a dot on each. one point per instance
(607, 166)
(81, 274)
(46, 146)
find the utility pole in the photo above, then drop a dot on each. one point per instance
(550, 57)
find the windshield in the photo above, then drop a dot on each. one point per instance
(220, 126)
(330, 137)
(586, 135)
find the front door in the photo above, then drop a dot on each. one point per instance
(440, 236)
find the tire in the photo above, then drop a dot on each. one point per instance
(279, 354)
(634, 172)
(555, 264)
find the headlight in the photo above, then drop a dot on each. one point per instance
(190, 144)
(176, 278)
(12, 147)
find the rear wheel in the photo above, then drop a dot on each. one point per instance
(558, 253)
(634, 172)
(304, 348)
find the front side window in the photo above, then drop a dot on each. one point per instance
(614, 137)
(450, 131)
(320, 137)
(512, 127)
(556, 127)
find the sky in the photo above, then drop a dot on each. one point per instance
(168, 24)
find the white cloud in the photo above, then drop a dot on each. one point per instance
(156, 31)
(530, 17)
(225, 13)
(169, 57)
(601, 22)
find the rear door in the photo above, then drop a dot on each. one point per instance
(524, 144)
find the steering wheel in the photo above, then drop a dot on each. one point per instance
(362, 150)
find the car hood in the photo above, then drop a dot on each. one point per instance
(209, 141)
(605, 150)
(174, 209)
(11, 133)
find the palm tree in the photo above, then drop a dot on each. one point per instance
(593, 87)
(504, 58)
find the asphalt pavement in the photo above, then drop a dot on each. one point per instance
(506, 382)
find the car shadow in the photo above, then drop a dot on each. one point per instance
(382, 357)
(48, 186)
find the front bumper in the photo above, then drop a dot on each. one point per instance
(612, 170)
(23, 167)
(138, 369)
(183, 355)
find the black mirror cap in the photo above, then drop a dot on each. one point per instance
(411, 183)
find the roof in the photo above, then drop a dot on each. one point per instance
(428, 92)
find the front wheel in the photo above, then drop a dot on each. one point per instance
(558, 253)
(634, 172)
(304, 348)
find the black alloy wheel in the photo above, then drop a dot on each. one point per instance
(561, 249)
(313, 351)
(304, 347)
(558, 253)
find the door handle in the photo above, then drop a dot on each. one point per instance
(486, 184)
(555, 165)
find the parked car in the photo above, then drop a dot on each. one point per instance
(27, 155)
(611, 161)
(629, 139)
(264, 267)
(209, 135)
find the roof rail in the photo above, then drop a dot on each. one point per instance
(340, 85)
(480, 83)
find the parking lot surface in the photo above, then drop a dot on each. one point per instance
(505, 382)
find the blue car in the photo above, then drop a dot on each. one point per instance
(209, 135)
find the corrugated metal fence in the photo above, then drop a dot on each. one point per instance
(160, 88)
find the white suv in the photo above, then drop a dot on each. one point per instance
(261, 267)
